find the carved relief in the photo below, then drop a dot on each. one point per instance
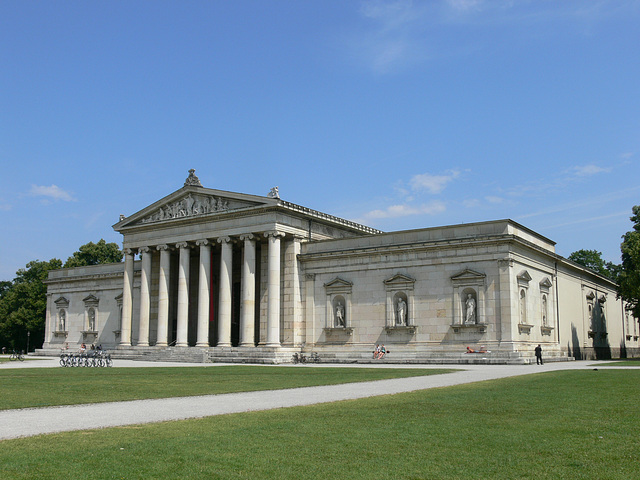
(188, 206)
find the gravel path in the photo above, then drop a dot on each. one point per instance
(35, 421)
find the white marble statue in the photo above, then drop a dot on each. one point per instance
(470, 310)
(401, 312)
(339, 315)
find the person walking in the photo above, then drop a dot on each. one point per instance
(538, 351)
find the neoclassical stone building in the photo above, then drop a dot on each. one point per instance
(211, 275)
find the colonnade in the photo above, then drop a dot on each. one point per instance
(247, 300)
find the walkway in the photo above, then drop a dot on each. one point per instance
(35, 421)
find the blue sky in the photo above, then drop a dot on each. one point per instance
(397, 114)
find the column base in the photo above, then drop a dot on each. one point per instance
(203, 345)
(226, 344)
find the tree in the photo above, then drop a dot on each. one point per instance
(629, 278)
(95, 254)
(23, 305)
(592, 259)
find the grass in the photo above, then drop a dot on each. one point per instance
(630, 362)
(569, 425)
(38, 387)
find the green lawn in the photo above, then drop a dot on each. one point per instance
(630, 362)
(560, 425)
(37, 387)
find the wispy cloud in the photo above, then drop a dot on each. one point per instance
(582, 204)
(395, 211)
(588, 170)
(400, 33)
(392, 37)
(432, 183)
(465, 5)
(52, 192)
(411, 193)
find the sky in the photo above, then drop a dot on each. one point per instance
(397, 114)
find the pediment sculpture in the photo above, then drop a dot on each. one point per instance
(188, 206)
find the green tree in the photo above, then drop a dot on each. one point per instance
(592, 259)
(95, 254)
(629, 278)
(23, 305)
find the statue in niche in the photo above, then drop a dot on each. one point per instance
(92, 319)
(470, 310)
(401, 312)
(63, 321)
(340, 315)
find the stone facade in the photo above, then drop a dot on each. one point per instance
(235, 277)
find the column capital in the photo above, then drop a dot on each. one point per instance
(182, 245)
(222, 240)
(247, 236)
(202, 242)
(163, 247)
(273, 233)
(129, 251)
(142, 250)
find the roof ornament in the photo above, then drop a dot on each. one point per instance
(274, 193)
(192, 180)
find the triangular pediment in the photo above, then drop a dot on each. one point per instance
(337, 283)
(524, 276)
(192, 202)
(399, 278)
(468, 277)
(546, 283)
(468, 274)
(91, 300)
(61, 302)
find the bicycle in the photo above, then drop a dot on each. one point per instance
(17, 355)
(314, 357)
(299, 358)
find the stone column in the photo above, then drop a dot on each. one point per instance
(163, 295)
(273, 289)
(145, 299)
(183, 295)
(292, 304)
(127, 299)
(224, 302)
(248, 301)
(204, 284)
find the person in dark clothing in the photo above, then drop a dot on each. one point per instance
(538, 355)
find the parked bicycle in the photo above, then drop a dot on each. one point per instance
(97, 358)
(17, 355)
(299, 358)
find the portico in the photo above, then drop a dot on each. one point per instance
(212, 266)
